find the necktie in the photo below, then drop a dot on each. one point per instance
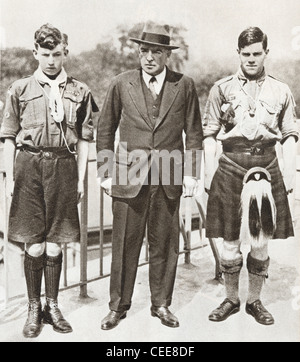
(151, 87)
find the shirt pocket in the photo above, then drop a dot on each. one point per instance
(72, 104)
(33, 112)
(270, 113)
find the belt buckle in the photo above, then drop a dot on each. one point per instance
(254, 150)
(47, 154)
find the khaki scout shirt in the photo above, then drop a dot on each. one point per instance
(271, 119)
(27, 115)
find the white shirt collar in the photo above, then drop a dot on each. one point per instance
(160, 78)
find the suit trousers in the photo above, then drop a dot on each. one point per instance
(153, 208)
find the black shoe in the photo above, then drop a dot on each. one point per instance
(33, 325)
(52, 315)
(167, 318)
(112, 320)
(259, 312)
(226, 309)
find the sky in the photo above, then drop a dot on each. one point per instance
(212, 26)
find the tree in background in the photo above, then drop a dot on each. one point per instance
(15, 63)
(97, 67)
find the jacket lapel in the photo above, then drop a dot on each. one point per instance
(136, 93)
(170, 92)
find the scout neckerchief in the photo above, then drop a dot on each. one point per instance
(55, 100)
(251, 89)
(55, 97)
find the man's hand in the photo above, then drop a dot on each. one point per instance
(189, 186)
(106, 185)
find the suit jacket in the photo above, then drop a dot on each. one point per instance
(140, 143)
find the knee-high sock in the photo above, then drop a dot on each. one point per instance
(33, 269)
(53, 266)
(257, 272)
(232, 286)
(231, 270)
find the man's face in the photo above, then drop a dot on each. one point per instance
(252, 59)
(153, 58)
(51, 61)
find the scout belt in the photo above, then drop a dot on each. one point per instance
(48, 152)
(253, 150)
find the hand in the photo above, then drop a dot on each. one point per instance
(189, 186)
(207, 181)
(106, 185)
(80, 191)
(10, 185)
(289, 181)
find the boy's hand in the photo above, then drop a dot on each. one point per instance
(10, 185)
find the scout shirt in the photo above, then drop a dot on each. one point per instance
(241, 112)
(27, 116)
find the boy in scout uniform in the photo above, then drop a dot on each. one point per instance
(249, 112)
(49, 115)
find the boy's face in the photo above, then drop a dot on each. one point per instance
(51, 61)
(252, 59)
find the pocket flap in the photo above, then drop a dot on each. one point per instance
(272, 109)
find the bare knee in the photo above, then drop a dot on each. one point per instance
(260, 253)
(53, 249)
(231, 250)
(35, 250)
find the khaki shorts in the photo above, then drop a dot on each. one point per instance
(44, 203)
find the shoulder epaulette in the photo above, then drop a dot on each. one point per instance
(278, 80)
(78, 82)
(224, 80)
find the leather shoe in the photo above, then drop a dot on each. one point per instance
(226, 309)
(259, 312)
(33, 325)
(53, 316)
(167, 318)
(112, 320)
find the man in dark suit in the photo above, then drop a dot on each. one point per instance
(151, 107)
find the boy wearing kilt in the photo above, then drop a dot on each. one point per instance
(249, 112)
(49, 117)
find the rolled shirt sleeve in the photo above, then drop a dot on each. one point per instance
(11, 121)
(288, 119)
(85, 126)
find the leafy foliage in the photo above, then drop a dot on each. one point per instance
(98, 66)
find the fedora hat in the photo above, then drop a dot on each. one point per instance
(155, 34)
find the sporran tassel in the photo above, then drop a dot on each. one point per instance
(258, 210)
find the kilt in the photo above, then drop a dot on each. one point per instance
(44, 202)
(223, 209)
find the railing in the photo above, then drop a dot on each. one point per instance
(185, 228)
(83, 280)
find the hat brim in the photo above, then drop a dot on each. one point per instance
(139, 41)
